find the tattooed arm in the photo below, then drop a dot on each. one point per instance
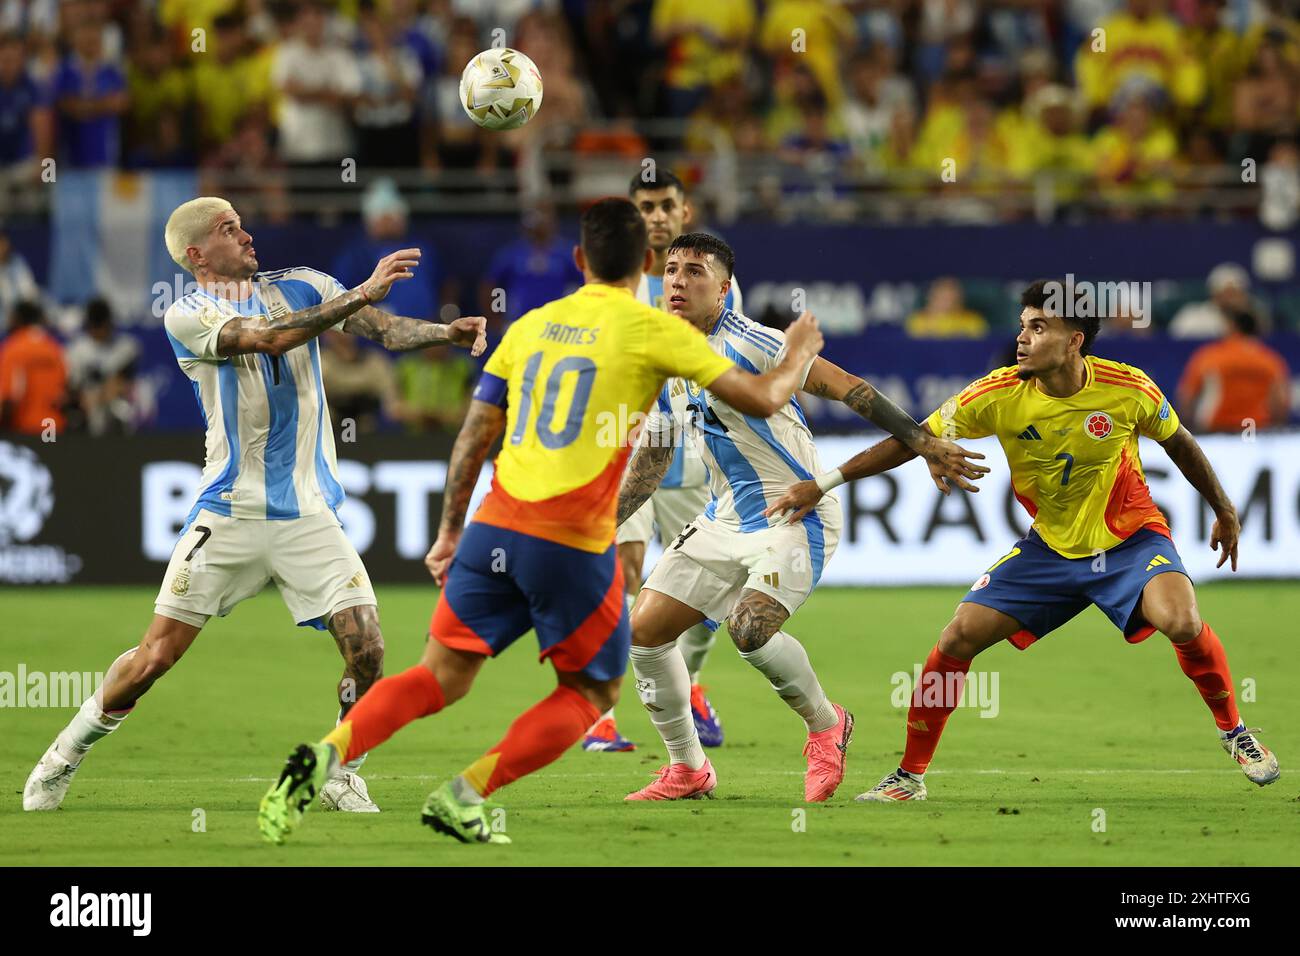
(277, 336)
(828, 380)
(397, 333)
(647, 468)
(1186, 453)
(945, 459)
(483, 426)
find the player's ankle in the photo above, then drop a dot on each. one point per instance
(464, 791)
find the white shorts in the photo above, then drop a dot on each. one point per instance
(671, 509)
(220, 561)
(710, 563)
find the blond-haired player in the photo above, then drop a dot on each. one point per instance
(265, 510)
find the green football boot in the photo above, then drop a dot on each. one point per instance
(304, 773)
(467, 822)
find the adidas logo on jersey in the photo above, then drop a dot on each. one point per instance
(1030, 434)
(1157, 561)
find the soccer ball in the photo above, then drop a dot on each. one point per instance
(501, 89)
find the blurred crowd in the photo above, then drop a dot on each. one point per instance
(1110, 98)
(1131, 100)
(89, 381)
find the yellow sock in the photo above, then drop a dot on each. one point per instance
(340, 738)
(479, 772)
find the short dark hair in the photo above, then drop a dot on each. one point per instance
(1244, 321)
(27, 312)
(655, 178)
(613, 238)
(98, 312)
(1037, 295)
(705, 244)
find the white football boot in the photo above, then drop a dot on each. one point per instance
(895, 788)
(49, 780)
(346, 791)
(1258, 763)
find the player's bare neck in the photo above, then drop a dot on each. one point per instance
(630, 283)
(235, 288)
(704, 321)
(1064, 381)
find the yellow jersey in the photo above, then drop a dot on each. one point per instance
(1074, 461)
(576, 376)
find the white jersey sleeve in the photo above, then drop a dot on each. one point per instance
(193, 324)
(735, 301)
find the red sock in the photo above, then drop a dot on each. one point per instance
(538, 736)
(1204, 660)
(933, 699)
(386, 708)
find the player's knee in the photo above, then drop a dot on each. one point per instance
(959, 640)
(1181, 624)
(747, 632)
(648, 629)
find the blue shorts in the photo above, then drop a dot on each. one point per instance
(1042, 590)
(503, 583)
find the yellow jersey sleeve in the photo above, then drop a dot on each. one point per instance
(501, 361)
(1156, 417)
(970, 413)
(680, 349)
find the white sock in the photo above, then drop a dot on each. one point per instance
(353, 765)
(88, 725)
(695, 644)
(784, 662)
(464, 792)
(664, 687)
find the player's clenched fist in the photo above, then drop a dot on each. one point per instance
(470, 332)
(439, 557)
(803, 338)
(396, 265)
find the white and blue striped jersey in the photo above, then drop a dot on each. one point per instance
(687, 469)
(752, 460)
(270, 446)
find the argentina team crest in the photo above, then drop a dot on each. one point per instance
(1098, 425)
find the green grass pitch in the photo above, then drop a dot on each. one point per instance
(1086, 723)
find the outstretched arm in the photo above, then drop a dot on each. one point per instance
(1185, 452)
(828, 380)
(277, 336)
(802, 496)
(484, 424)
(948, 462)
(274, 336)
(397, 333)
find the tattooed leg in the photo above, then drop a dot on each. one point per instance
(754, 619)
(356, 632)
(755, 627)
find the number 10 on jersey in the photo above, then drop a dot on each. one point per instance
(547, 434)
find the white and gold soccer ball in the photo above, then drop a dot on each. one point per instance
(501, 89)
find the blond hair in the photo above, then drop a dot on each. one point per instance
(189, 224)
